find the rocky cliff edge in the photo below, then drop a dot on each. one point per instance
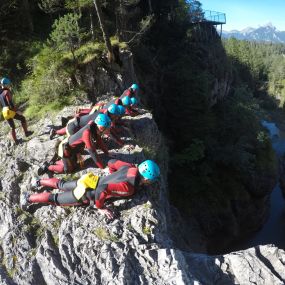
(76, 245)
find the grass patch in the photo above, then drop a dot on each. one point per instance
(115, 41)
(146, 230)
(147, 206)
(2, 196)
(32, 252)
(55, 239)
(89, 52)
(104, 235)
(149, 152)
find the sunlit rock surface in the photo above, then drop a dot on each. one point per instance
(76, 245)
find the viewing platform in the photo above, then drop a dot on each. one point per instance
(207, 16)
(214, 18)
(201, 17)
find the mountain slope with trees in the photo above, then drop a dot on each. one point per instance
(266, 33)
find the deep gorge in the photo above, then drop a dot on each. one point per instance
(204, 99)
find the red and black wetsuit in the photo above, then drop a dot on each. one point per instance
(116, 101)
(6, 98)
(76, 143)
(77, 123)
(85, 119)
(128, 92)
(80, 122)
(122, 182)
(6, 101)
(130, 111)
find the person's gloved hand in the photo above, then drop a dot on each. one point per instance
(111, 155)
(129, 147)
(107, 212)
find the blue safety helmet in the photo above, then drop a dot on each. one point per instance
(149, 170)
(122, 109)
(134, 101)
(5, 81)
(103, 121)
(135, 87)
(126, 101)
(114, 110)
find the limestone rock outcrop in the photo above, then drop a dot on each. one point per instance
(76, 245)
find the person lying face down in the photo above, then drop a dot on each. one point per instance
(69, 150)
(124, 181)
(114, 113)
(131, 91)
(77, 123)
(129, 102)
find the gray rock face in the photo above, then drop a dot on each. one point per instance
(76, 245)
(100, 79)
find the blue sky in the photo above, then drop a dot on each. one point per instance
(241, 14)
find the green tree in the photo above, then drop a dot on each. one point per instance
(51, 6)
(83, 5)
(66, 34)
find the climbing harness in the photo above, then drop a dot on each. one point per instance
(8, 113)
(87, 181)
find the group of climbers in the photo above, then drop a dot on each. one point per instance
(115, 109)
(85, 132)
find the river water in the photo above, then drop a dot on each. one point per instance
(273, 231)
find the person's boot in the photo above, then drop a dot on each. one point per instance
(24, 201)
(43, 169)
(25, 128)
(64, 121)
(52, 133)
(28, 133)
(35, 183)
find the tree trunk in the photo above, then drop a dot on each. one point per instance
(91, 24)
(27, 15)
(104, 32)
(150, 6)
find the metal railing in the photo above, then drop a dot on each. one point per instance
(213, 16)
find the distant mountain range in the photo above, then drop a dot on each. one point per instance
(267, 33)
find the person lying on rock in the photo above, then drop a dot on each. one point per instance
(88, 111)
(134, 108)
(122, 101)
(9, 110)
(70, 149)
(124, 181)
(73, 124)
(78, 122)
(127, 103)
(114, 112)
(61, 130)
(131, 91)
